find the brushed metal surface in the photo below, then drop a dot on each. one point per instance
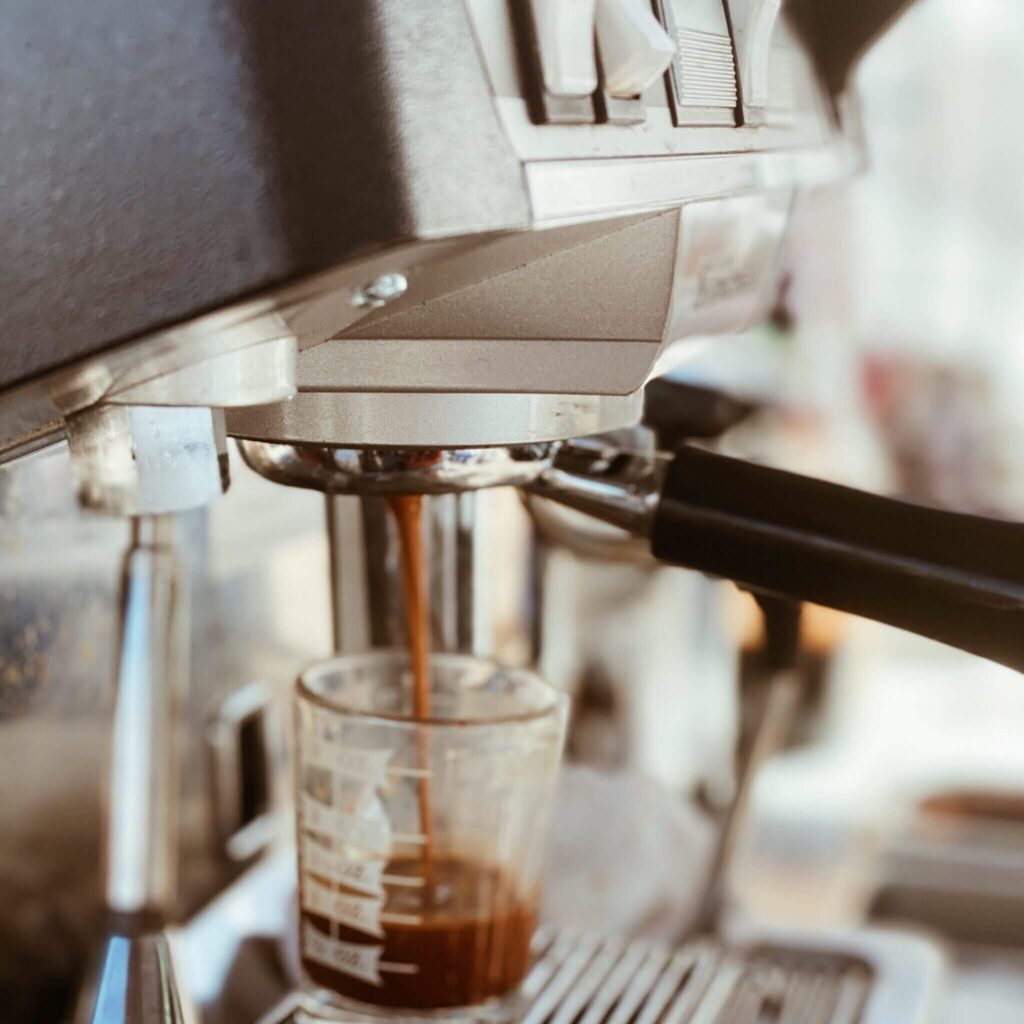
(264, 372)
(500, 352)
(276, 188)
(31, 414)
(610, 282)
(536, 364)
(433, 420)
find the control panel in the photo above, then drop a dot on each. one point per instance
(657, 63)
(589, 61)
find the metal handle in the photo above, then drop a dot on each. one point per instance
(141, 835)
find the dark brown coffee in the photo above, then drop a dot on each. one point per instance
(408, 512)
(460, 941)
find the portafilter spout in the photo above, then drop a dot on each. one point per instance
(955, 578)
(364, 550)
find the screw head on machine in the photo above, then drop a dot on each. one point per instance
(381, 290)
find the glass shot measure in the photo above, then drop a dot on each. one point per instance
(421, 842)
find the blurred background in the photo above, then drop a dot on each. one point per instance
(893, 363)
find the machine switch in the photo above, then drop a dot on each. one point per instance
(565, 41)
(635, 49)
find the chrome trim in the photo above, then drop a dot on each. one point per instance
(240, 840)
(618, 487)
(384, 471)
(151, 683)
(566, 191)
(137, 983)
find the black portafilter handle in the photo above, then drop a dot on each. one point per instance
(677, 411)
(955, 578)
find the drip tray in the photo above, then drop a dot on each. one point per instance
(585, 979)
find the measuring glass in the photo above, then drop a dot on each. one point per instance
(420, 842)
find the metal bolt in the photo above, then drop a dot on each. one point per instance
(380, 290)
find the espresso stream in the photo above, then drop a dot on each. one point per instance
(408, 511)
(458, 932)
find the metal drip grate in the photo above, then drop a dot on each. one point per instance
(582, 979)
(590, 979)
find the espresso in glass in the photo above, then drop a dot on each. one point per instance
(445, 944)
(425, 784)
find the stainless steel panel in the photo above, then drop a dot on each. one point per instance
(445, 420)
(256, 570)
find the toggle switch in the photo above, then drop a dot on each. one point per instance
(635, 48)
(755, 22)
(565, 39)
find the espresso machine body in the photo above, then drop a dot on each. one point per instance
(385, 199)
(364, 227)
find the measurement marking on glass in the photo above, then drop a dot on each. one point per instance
(401, 919)
(393, 967)
(352, 958)
(369, 766)
(406, 881)
(363, 913)
(366, 833)
(362, 875)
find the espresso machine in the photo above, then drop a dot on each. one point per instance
(387, 247)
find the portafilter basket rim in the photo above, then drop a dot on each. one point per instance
(397, 471)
